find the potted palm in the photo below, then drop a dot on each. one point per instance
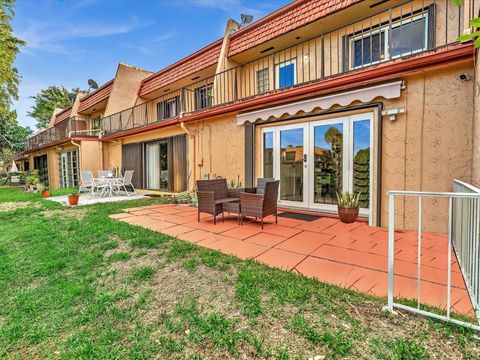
(73, 199)
(32, 181)
(348, 206)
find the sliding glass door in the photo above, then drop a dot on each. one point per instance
(156, 161)
(315, 160)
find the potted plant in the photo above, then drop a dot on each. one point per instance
(348, 206)
(73, 199)
(46, 192)
(32, 180)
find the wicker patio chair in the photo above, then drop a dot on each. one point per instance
(260, 205)
(260, 188)
(212, 194)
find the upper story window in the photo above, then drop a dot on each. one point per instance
(262, 81)
(407, 36)
(168, 108)
(96, 123)
(285, 74)
(203, 97)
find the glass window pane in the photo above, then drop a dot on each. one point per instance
(368, 49)
(268, 155)
(361, 161)
(328, 163)
(286, 75)
(408, 37)
(262, 81)
(291, 164)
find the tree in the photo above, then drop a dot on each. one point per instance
(49, 99)
(13, 136)
(475, 24)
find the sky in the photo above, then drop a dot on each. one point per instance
(71, 41)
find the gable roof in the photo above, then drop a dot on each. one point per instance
(284, 20)
(290, 17)
(102, 93)
(63, 114)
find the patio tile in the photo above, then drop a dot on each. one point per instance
(280, 259)
(281, 230)
(304, 243)
(266, 239)
(176, 230)
(120, 216)
(224, 243)
(340, 228)
(353, 257)
(159, 225)
(341, 240)
(195, 236)
(369, 281)
(141, 212)
(243, 232)
(318, 225)
(208, 225)
(323, 270)
(361, 245)
(244, 250)
(179, 219)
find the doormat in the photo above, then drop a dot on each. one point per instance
(298, 216)
(153, 195)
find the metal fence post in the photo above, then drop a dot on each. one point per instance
(391, 244)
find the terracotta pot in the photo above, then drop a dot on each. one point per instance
(73, 199)
(348, 215)
(46, 193)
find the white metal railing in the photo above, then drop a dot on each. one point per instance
(465, 239)
(467, 219)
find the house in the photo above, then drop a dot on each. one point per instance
(325, 95)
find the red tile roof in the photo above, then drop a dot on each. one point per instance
(290, 17)
(199, 60)
(102, 93)
(62, 115)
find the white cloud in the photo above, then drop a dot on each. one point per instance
(225, 5)
(45, 36)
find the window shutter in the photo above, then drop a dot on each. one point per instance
(431, 26)
(345, 53)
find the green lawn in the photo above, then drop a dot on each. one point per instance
(76, 284)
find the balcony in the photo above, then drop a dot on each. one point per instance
(61, 131)
(398, 32)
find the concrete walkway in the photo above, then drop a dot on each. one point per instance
(352, 256)
(85, 200)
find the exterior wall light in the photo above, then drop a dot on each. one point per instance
(392, 113)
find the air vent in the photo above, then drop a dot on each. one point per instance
(378, 3)
(267, 49)
(166, 90)
(196, 77)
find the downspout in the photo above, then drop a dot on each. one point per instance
(191, 135)
(79, 153)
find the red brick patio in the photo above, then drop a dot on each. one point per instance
(352, 256)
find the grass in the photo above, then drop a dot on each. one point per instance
(76, 284)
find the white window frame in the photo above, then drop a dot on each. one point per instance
(385, 30)
(277, 72)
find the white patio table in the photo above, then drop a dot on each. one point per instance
(110, 183)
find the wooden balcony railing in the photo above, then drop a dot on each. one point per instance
(406, 29)
(60, 131)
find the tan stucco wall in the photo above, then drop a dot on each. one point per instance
(90, 156)
(476, 125)
(216, 147)
(425, 148)
(124, 89)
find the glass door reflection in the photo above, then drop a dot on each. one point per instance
(328, 163)
(291, 164)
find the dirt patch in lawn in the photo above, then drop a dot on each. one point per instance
(65, 214)
(15, 205)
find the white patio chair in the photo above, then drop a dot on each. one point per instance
(127, 181)
(87, 182)
(105, 173)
